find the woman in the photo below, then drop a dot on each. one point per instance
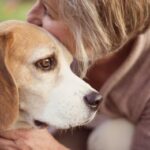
(110, 39)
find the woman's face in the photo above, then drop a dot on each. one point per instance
(44, 13)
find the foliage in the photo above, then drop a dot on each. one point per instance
(10, 10)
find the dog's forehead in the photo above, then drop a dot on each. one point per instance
(29, 38)
(32, 34)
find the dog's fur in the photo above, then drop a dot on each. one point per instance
(55, 97)
(28, 93)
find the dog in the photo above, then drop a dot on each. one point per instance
(37, 86)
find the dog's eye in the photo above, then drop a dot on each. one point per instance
(46, 64)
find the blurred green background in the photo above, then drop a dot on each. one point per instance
(15, 9)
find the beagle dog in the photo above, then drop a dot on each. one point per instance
(37, 86)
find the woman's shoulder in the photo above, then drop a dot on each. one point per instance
(127, 91)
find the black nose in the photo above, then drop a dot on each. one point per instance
(93, 100)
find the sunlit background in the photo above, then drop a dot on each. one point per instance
(14, 9)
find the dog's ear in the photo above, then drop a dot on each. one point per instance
(9, 98)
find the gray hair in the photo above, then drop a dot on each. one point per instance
(101, 26)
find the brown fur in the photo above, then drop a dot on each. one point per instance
(8, 91)
(22, 46)
(11, 49)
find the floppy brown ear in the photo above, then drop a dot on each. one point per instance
(9, 101)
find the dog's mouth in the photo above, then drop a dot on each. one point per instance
(40, 124)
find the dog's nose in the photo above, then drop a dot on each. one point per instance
(93, 100)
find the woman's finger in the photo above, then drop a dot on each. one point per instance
(7, 145)
(15, 134)
(13, 145)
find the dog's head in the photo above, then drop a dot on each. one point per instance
(37, 86)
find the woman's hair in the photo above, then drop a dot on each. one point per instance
(100, 26)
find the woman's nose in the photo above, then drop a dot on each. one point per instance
(34, 20)
(93, 100)
(36, 14)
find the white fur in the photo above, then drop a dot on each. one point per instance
(112, 135)
(54, 97)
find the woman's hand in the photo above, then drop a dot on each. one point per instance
(33, 139)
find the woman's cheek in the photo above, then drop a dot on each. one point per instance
(61, 32)
(54, 27)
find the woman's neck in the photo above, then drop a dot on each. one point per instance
(103, 68)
